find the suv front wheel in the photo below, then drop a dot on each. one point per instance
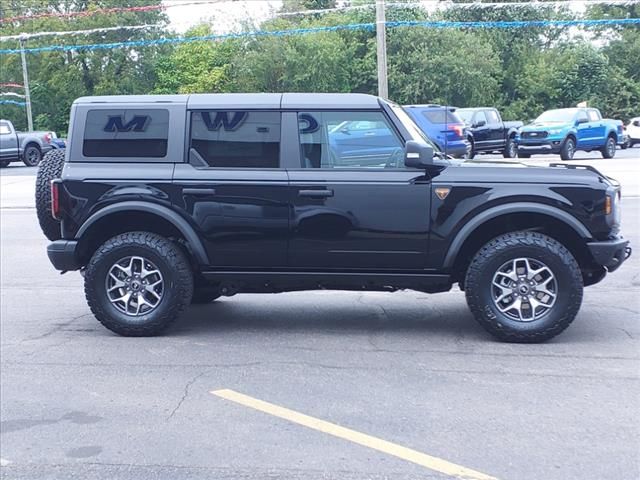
(138, 283)
(524, 287)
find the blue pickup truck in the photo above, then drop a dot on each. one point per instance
(567, 130)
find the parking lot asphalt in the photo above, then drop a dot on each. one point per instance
(421, 389)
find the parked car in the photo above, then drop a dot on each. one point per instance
(163, 201)
(566, 130)
(633, 132)
(28, 147)
(443, 127)
(58, 142)
(487, 133)
(360, 141)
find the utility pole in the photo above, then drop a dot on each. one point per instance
(25, 81)
(381, 43)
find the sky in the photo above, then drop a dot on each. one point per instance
(225, 16)
(228, 15)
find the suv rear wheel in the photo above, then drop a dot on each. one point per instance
(138, 283)
(524, 287)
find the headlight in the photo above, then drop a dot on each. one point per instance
(555, 131)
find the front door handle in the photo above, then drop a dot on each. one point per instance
(199, 191)
(316, 193)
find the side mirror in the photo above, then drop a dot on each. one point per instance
(481, 123)
(418, 155)
(580, 121)
(636, 123)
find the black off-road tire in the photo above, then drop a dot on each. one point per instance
(32, 155)
(510, 149)
(609, 149)
(568, 149)
(479, 278)
(204, 295)
(167, 257)
(50, 168)
(471, 152)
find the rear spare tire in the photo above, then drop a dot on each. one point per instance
(49, 168)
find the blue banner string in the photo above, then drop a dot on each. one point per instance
(13, 102)
(336, 28)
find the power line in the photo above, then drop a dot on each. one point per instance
(434, 4)
(107, 11)
(27, 36)
(335, 28)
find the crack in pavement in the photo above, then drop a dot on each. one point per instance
(185, 394)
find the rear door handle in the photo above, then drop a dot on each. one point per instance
(316, 193)
(199, 191)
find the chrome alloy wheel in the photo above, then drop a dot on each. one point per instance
(134, 286)
(524, 289)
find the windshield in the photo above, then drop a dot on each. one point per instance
(411, 126)
(557, 116)
(465, 115)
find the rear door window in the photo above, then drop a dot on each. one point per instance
(235, 139)
(4, 128)
(593, 115)
(126, 133)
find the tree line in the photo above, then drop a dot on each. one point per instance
(522, 71)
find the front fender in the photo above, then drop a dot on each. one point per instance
(518, 207)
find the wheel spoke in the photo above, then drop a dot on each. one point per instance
(153, 292)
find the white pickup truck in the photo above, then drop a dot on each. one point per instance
(28, 147)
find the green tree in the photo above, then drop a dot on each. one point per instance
(198, 67)
(423, 68)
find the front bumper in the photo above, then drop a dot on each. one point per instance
(63, 255)
(611, 253)
(548, 147)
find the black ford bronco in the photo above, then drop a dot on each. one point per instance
(163, 201)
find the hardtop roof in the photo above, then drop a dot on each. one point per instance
(245, 100)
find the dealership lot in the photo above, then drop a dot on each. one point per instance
(407, 368)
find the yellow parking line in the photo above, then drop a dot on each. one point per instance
(422, 459)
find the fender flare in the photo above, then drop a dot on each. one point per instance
(518, 207)
(171, 216)
(571, 133)
(511, 131)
